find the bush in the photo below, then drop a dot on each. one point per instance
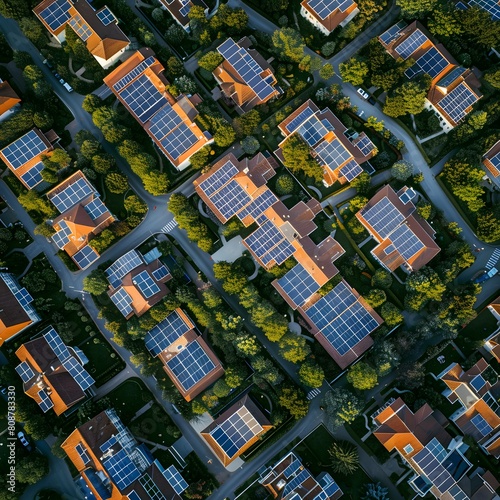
(284, 185)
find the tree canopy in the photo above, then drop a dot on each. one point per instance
(297, 157)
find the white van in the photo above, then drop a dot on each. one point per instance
(68, 87)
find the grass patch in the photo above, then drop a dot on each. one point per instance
(155, 425)
(129, 397)
(476, 331)
(16, 262)
(463, 210)
(450, 356)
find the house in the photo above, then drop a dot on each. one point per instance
(188, 361)
(83, 215)
(9, 100)
(52, 372)
(236, 430)
(328, 15)
(24, 155)
(139, 84)
(179, 10)
(491, 164)
(492, 343)
(17, 311)
(288, 477)
(238, 188)
(437, 459)
(454, 89)
(244, 76)
(338, 152)
(478, 392)
(113, 465)
(137, 282)
(98, 29)
(404, 238)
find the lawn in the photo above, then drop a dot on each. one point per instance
(450, 356)
(16, 262)
(129, 397)
(476, 331)
(155, 425)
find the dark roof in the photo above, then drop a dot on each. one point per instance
(11, 311)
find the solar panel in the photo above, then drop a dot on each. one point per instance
(351, 170)
(33, 176)
(45, 402)
(482, 426)
(333, 154)
(175, 479)
(80, 27)
(232, 434)
(146, 284)
(142, 66)
(431, 62)
(160, 273)
(299, 119)
(78, 372)
(82, 452)
(106, 16)
(325, 8)
(186, 7)
(383, 217)
(230, 199)
(108, 444)
(299, 285)
(166, 333)
(56, 14)
(121, 267)
(25, 371)
(95, 208)
(364, 144)
(295, 482)
(490, 6)
(408, 46)
(61, 238)
(166, 120)
(122, 470)
(122, 300)
(312, 131)
(259, 205)
(23, 297)
(84, 257)
(24, 149)
(57, 345)
(220, 177)
(292, 468)
(478, 382)
(392, 33)
(191, 365)
(456, 103)
(406, 241)
(179, 141)
(72, 194)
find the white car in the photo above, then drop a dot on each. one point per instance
(363, 93)
(23, 440)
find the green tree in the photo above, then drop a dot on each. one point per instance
(416, 8)
(402, 170)
(247, 344)
(344, 457)
(116, 183)
(234, 376)
(102, 163)
(372, 122)
(288, 44)
(102, 241)
(353, 71)
(328, 49)
(224, 135)
(32, 468)
(294, 401)
(250, 145)
(210, 61)
(284, 185)
(247, 124)
(375, 297)
(391, 314)
(409, 98)
(297, 157)
(34, 31)
(91, 103)
(342, 406)
(15, 9)
(33, 202)
(326, 72)
(311, 374)
(155, 182)
(135, 205)
(221, 389)
(90, 148)
(362, 376)
(175, 66)
(488, 226)
(357, 203)
(95, 282)
(493, 78)
(232, 21)
(445, 21)
(20, 58)
(362, 183)
(294, 348)
(201, 158)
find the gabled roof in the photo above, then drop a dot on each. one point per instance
(179, 9)
(330, 13)
(491, 162)
(8, 97)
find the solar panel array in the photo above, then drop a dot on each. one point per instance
(122, 300)
(295, 482)
(408, 46)
(45, 402)
(80, 27)
(457, 101)
(490, 6)
(259, 205)
(33, 176)
(146, 284)
(82, 452)
(333, 153)
(108, 444)
(160, 273)
(392, 33)
(230, 199)
(432, 467)
(78, 372)
(478, 382)
(24, 149)
(292, 468)
(122, 266)
(299, 285)
(216, 180)
(56, 14)
(341, 318)
(84, 257)
(299, 119)
(122, 470)
(246, 67)
(25, 371)
(142, 66)
(191, 365)
(495, 161)
(186, 7)
(150, 487)
(364, 144)
(481, 425)
(269, 244)
(351, 170)
(312, 131)
(95, 208)
(165, 333)
(431, 62)
(324, 8)
(61, 238)
(175, 480)
(72, 194)
(232, 434)
(23, 297)
(179, 140)
(106, 16)
(166, 119)
(406, 241)
(57, 345)
(384, 217)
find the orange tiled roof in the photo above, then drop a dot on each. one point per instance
(8, 97)
(333, 20)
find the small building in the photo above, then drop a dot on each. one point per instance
(23, 157)
(188, 360)
(288, 478)
(328, 15)
(404, 238)
(9, 100)
(492, 343)
(53, 373)
(491, 164)
(17, 312)
(113, 465)
(244, 76)
(338, 152)
(139, 84)
(98, 29)
(236, 430)
(478, 392)
(179, 10)
(137, 282)
(83, 216)
(437, 459)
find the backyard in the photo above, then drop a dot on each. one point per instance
(476, 331)
(128, 398)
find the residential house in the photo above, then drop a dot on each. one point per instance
(17, 312)
(436, 458)
(9, 100)
(338, 151)
(137, 282)
(236, 430)
(327, 15)
(23, 157)
(83, 216)
(492, 343)
(478, 392)
(244, 76)
(491, 164)
(113, 465)
(188, 360)
(288, 478)
(404, 238)
(52, 372)
(454, 89)
(179, 10)
(139, 84)
(98, 29)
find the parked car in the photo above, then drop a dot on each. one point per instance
(61, 81)
(363, 93)
(48, 63)
(23, 440)
(68, 87)
(57, 75)
(486, 275)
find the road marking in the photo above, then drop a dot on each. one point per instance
(493, 259)
(312, 394)
(168, 227)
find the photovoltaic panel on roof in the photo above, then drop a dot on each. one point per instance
(56, 14)
(25, 371)
(175, 479)
(78, 372)
(384, 217)
(108, 444)
(292, 468)
(185, 7)
(106, 16)
(122, 470)
(166, 120)
(406, 242)
(392, 33)
(179, 141)
(299, 285)
(216, 180)
(45, 403)
(34, 175)
(165, 333)
(312, 131)
(333, 154)
(57, 345)
(95, 208)
(73, 193)
(121, 267)
(351, 170)
(490, 6)
(80, 27)
(299, 119)
(86, 256)
(364, 144)
(24, 149)
(296, 481)
(267, 238)
(408, 46)
(146, 284)
(123, 301)
(431, 62)
(134, 73)
(61, 238)
(23, 296)
(481, 424)
(324, 8)
(82, 452)
(478, 382)
(456, 103)
(160, 273)
(258, 205)
(230, 199)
